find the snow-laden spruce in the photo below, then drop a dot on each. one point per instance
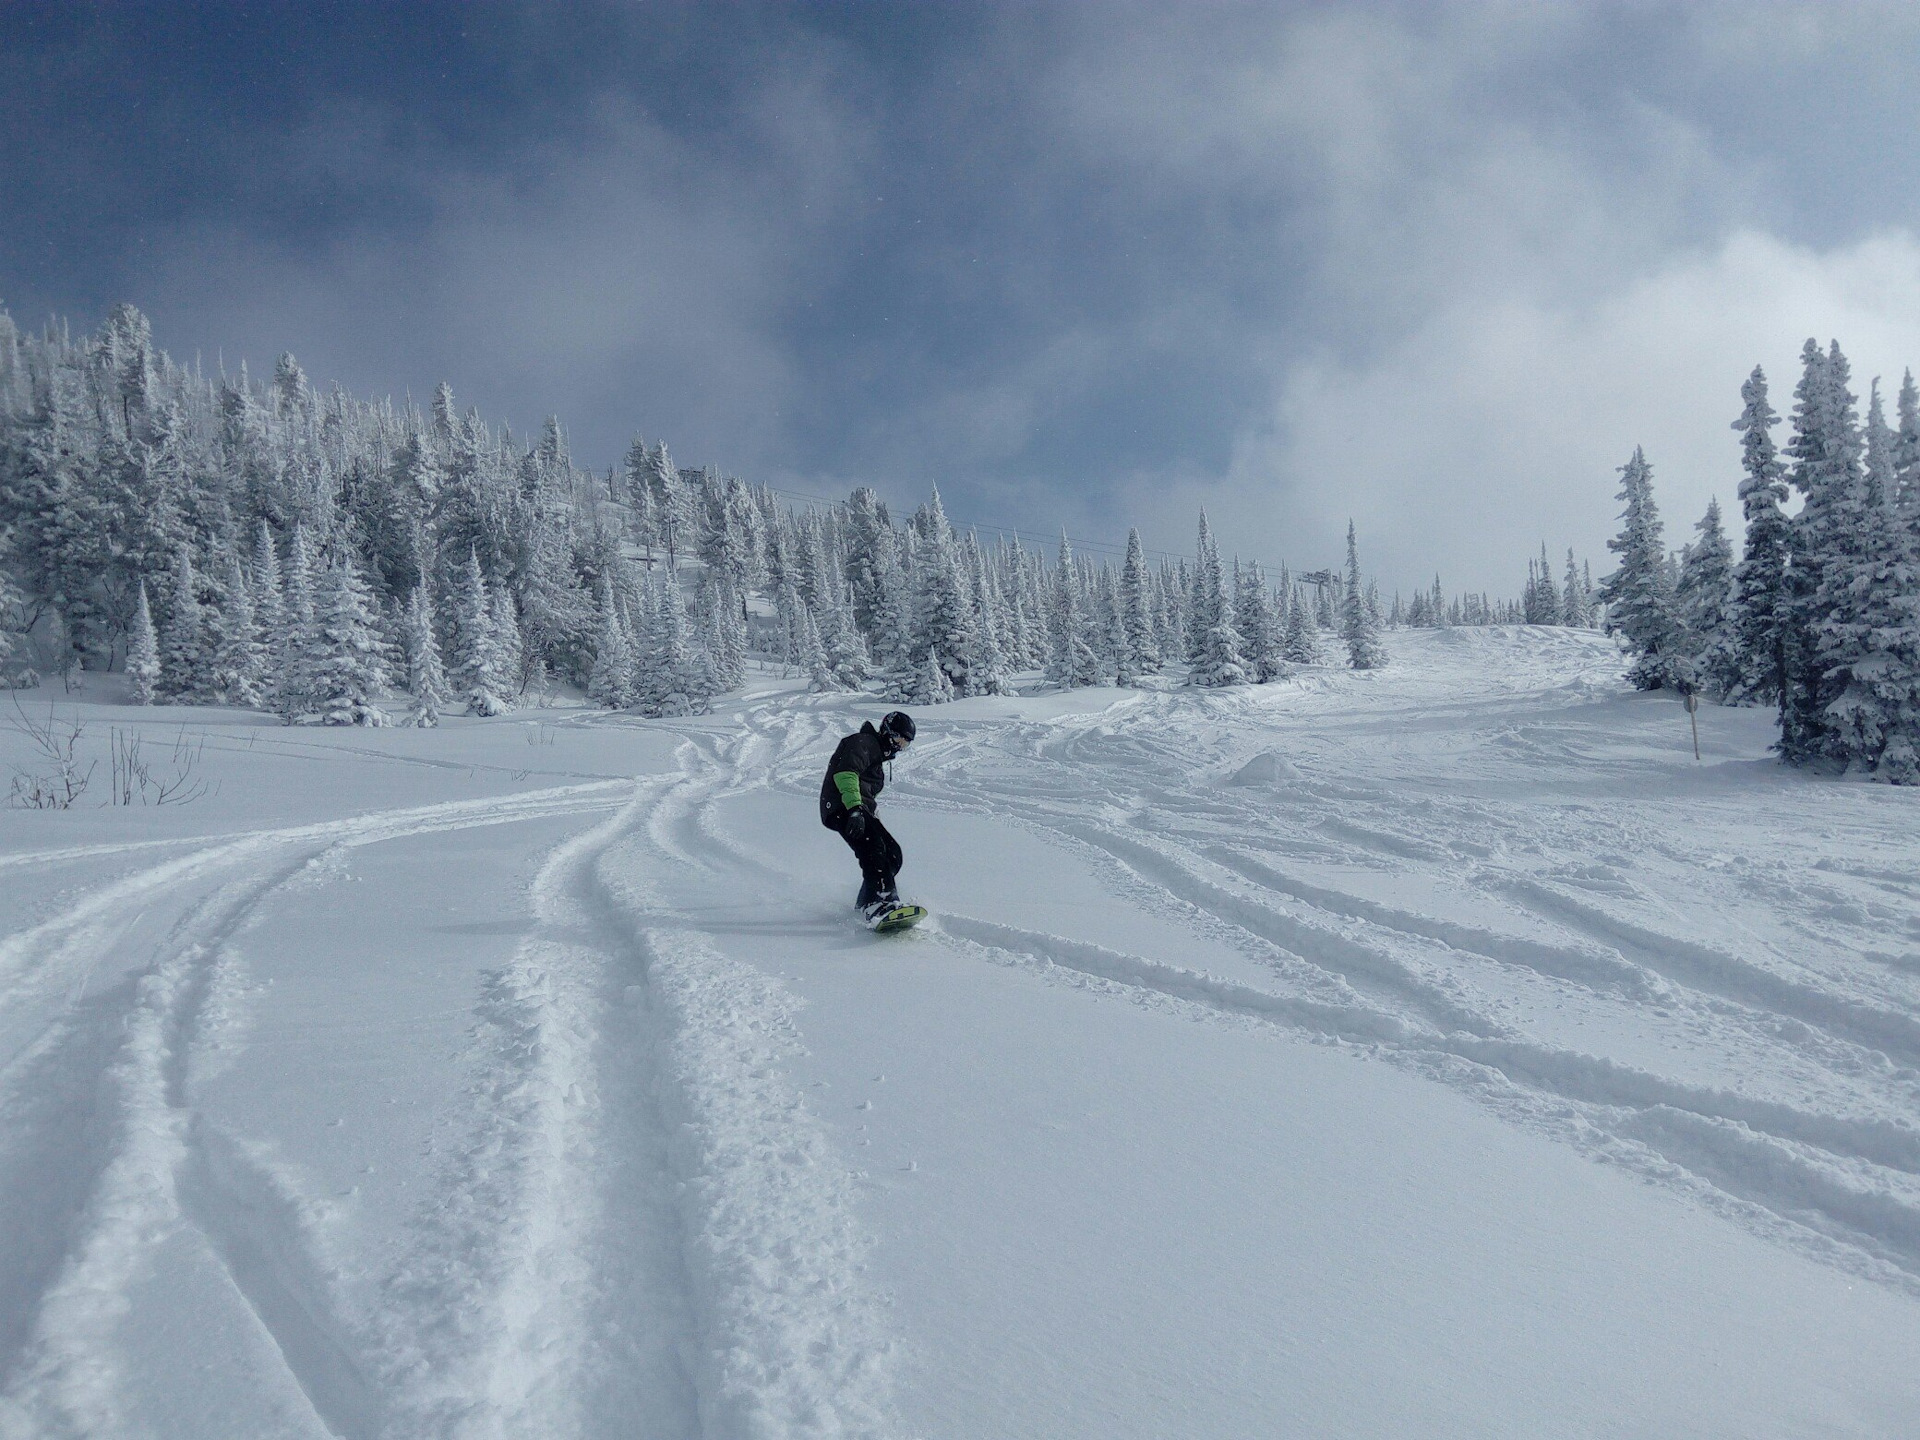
(1821, 614)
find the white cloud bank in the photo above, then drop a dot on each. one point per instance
(1497, 425)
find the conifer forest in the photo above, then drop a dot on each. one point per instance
(229, 540)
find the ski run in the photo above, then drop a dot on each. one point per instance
(1436, 1050)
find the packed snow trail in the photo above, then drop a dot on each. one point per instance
(589, 1109)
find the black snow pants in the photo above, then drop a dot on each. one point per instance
(880, 860)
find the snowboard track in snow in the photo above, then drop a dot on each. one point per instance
(647, 1231)
(117, 1070)
(1839, 1181)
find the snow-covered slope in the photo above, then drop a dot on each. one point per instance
(1436, 1051)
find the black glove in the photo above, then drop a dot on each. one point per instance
(856, 825)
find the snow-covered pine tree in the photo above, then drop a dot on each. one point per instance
(143, 652)
(1253, 617)
(1861, 613)
(1216, 649)
(672, 671)
(185, 667)
(299, 581)
(930, 685)
(238, 661)
(1204, 602)
(1829, 534)
(611, 681)
(426, 676)
(1638, 595)
(1548, 603)
(518, 667)
(868, 534)
(809, 560)
(893, 629)
(269, 613)
(1119, 650)
(1071, 662)
(1135, 603)
(1762, 600)
(813, 656)
(1871, 625)
(724, 631)
(846, 653)
(479, 678)
(790, 610)
(1358, 627)
(1034, 595)
(1575, 608)
(1302, 643)
(342, 673)
(1906, 447)
(942, 600)
(987, 667)
(1880, 467)
(1703, 604)
(672, 504)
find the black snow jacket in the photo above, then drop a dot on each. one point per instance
(862, 754)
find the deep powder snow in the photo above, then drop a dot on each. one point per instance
(1432, 1051)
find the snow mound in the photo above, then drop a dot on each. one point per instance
(1266, 768)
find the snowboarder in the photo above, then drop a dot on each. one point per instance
(855, 777)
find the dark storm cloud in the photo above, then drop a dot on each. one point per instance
(1437, 267)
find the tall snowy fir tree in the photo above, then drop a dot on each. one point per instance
(426, 675)
(1254, 619)
(143, 654)
(341, 672)
(1136, 610)
(518, 666)
(1358, 626)
(1906, 444)
(1703, 604)
(1868, 627)
(1071, 662)
(1638, 595)
(1827, 450)
(1301, 645)
(184, 663)
(1576, 606)
(1760, 593)
(813, 656)
(1217, 649)
(1876, 715)
(987, 668)
(239, 664)
(479, 672)
(942, 601)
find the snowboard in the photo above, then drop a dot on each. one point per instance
(900, 917)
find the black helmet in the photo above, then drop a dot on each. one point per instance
(897, 725)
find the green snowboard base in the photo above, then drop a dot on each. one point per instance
(901, 917)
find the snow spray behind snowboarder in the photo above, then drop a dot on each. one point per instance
(855, 777)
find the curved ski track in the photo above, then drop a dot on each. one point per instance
(651, 1235)
(1817, 1145)
(646, 1234)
